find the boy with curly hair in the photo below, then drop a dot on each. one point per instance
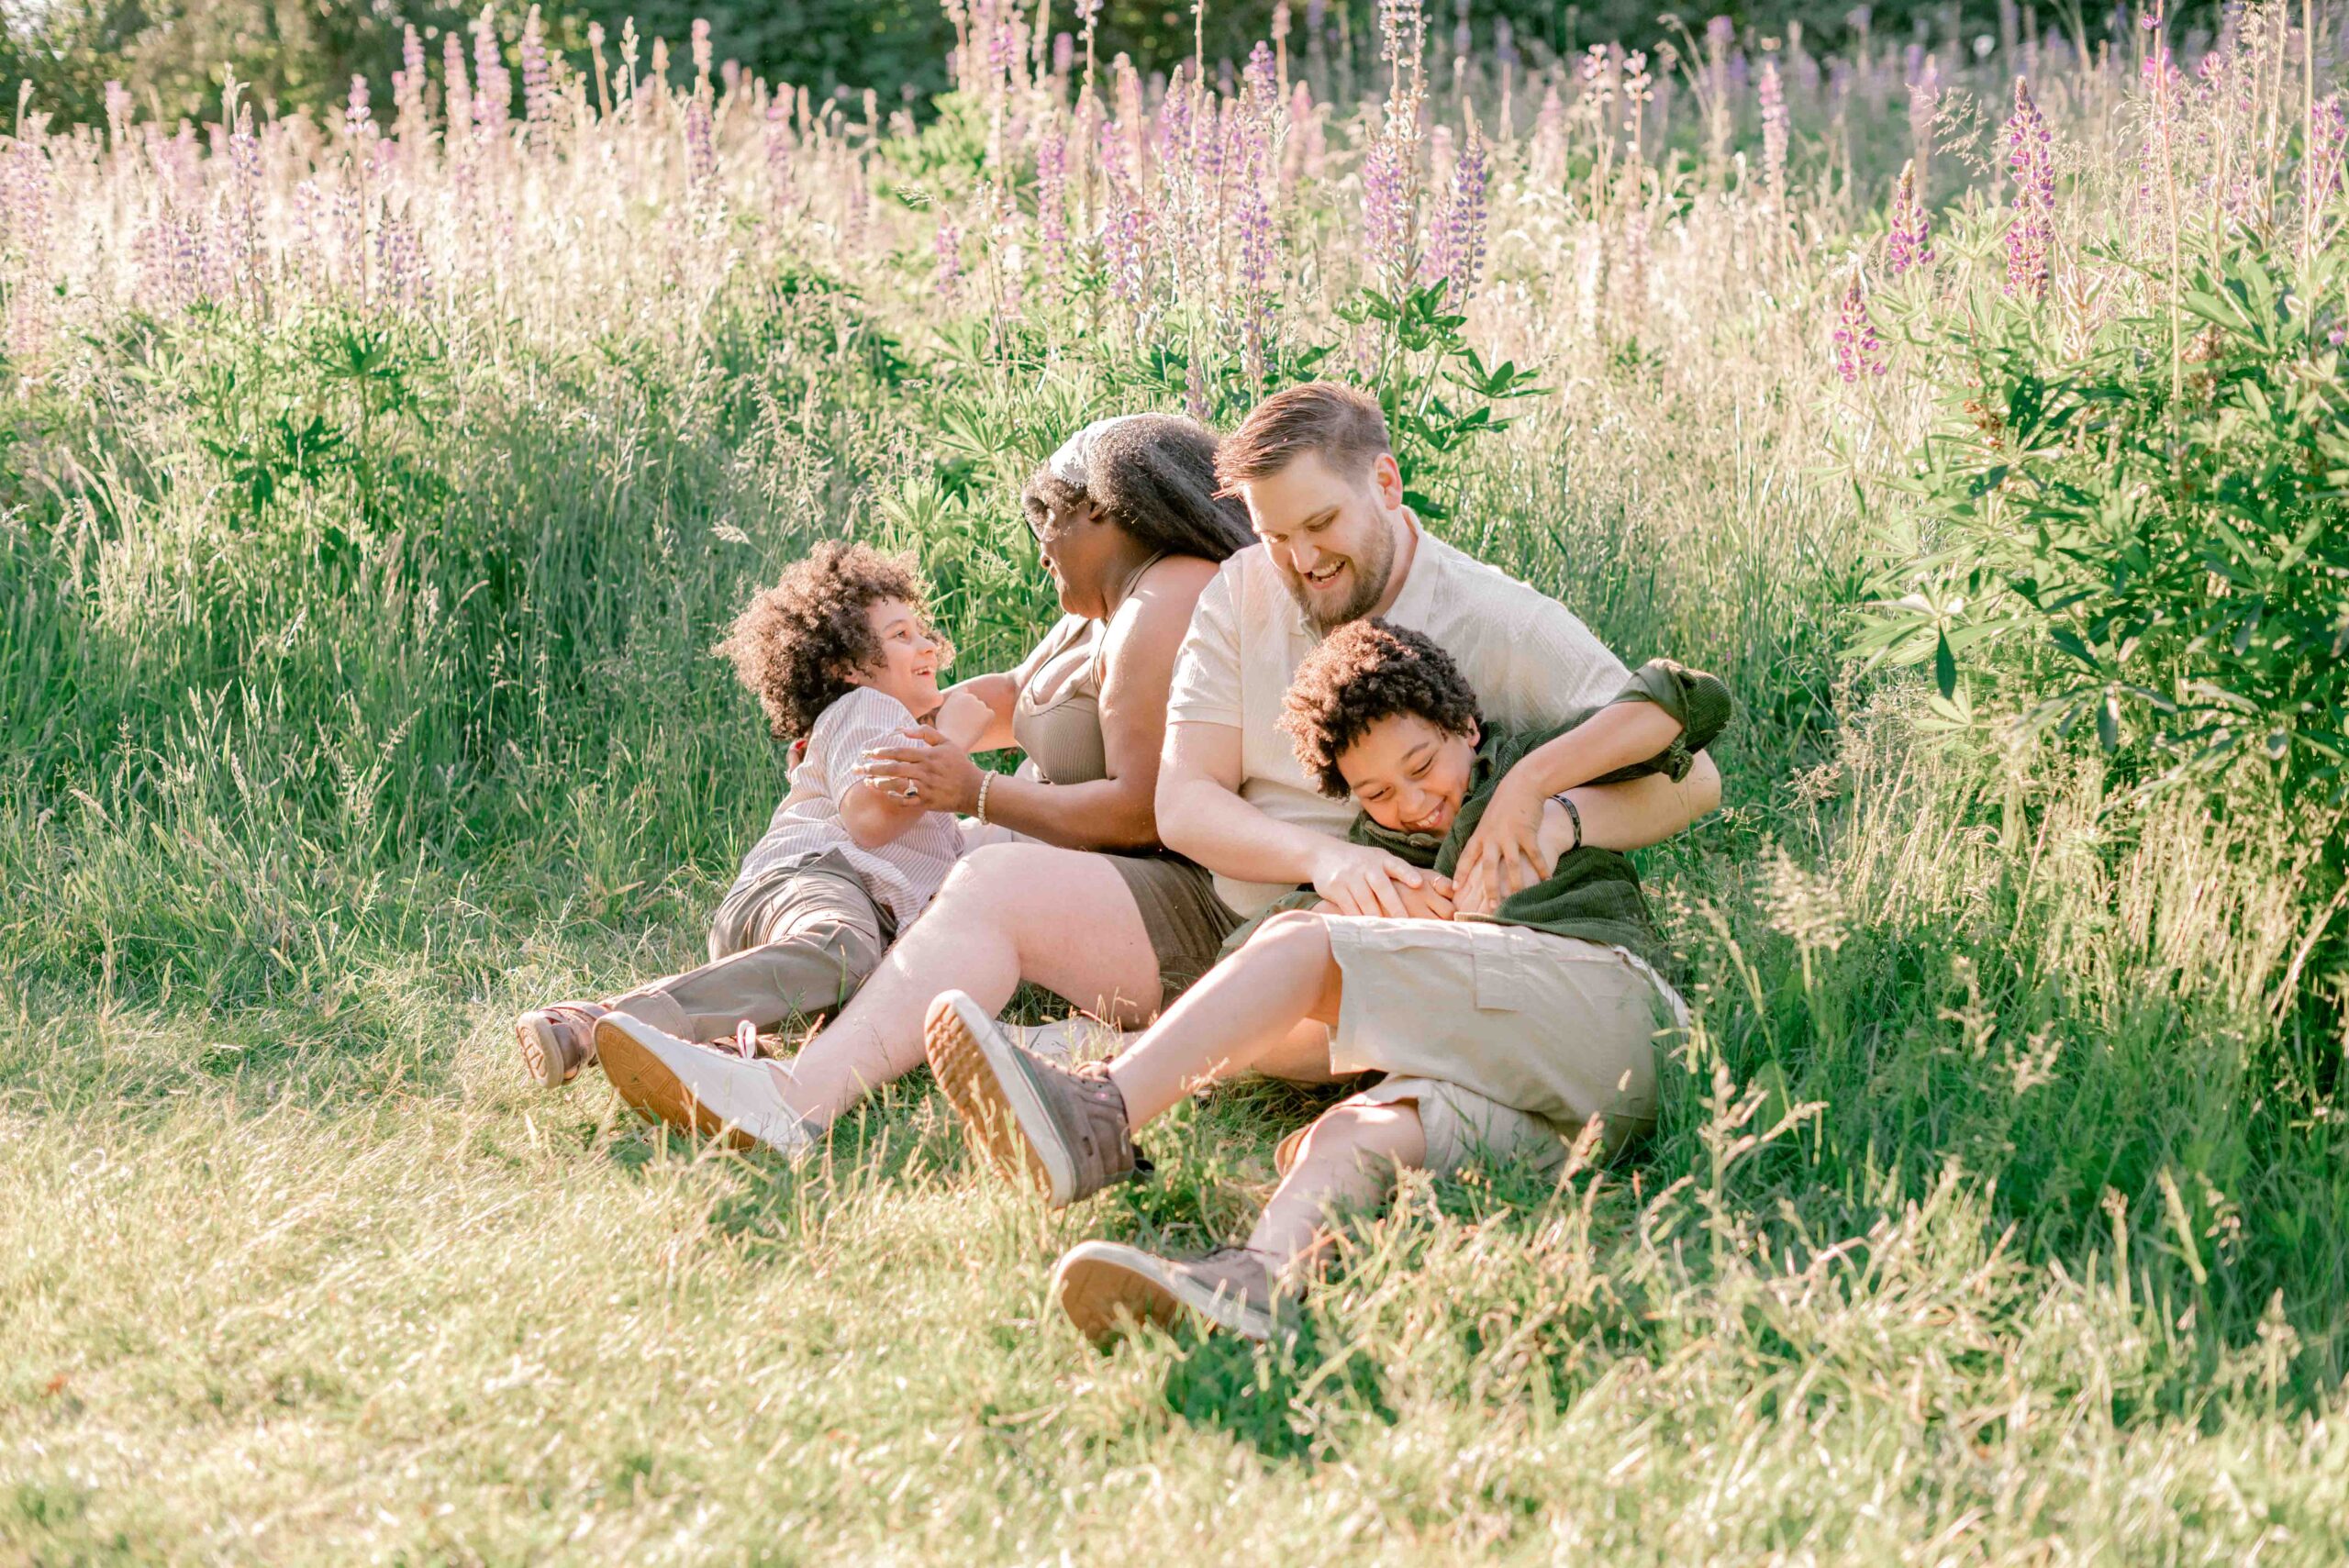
(1505, 1035)
(841, 656)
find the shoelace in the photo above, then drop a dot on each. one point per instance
(746, 1039)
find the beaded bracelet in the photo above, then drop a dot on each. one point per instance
(986, 783)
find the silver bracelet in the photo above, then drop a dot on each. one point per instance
(1573, 815)
(986, 783)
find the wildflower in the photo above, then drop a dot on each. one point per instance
(1051, 198)
(701, 54)
(359, 116)
(407, 83)
(1063, 55)
(1385, 212)
(456, 97)
(493, 85)
(1857, 351)
(538, 82)
(1924, 105)
(2031, 159)
(1772, 100)
(948, 279)
(1457, 252)
(2328, 138)
(1402, 34)
(1910, 243)
(701, 145)
(779, 149)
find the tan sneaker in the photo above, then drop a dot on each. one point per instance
(1108, 1287)
(558, 1040)
(1062, 1128)
(709, 1090)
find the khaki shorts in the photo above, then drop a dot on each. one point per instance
(1507, 1040)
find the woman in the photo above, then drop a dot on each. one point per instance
(1127, 518)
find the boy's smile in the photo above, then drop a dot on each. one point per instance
(910, 653)
(1409, 775)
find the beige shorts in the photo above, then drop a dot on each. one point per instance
(1507, 1040)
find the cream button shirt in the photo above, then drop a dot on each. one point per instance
(1532, 664)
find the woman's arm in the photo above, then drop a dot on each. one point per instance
(999, 691)
(1117, 812)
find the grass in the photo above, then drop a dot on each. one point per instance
(1998, 1211)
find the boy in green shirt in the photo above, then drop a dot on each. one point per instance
(1501, 1032)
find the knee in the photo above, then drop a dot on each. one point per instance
(1351, 1133)
(1295, 931)
(987, 872)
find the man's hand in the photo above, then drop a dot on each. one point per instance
(1358, 880)
(1504, 854)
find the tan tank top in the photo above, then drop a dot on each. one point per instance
(1056, 718)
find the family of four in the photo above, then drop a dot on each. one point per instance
(1307, 792)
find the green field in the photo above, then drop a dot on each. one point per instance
(373, 498)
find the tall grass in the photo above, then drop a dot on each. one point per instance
(375, 492)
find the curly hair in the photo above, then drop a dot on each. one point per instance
(1366, 670)
(796, 644)
(1153, 475)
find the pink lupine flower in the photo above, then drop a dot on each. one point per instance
(1909, 243)
(701, 51)
(1772, 97)
(2030, 237)
(359, 116)
(1857, 351)
(118, 114)
(538, 81)
(1063, 55)
(493, 83)
(1386, 214)
(2328, 140)
(457, 99)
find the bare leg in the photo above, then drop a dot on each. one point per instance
(1349, 1159)
(1243, 1015)
(1062, 918)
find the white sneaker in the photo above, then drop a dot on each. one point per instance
(698, 1088)
(1079, 1038)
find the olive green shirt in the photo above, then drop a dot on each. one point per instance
(1592, 894)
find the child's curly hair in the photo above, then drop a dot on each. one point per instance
(796, 644)
(1366, 670)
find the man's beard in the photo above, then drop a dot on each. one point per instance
(1371, 571)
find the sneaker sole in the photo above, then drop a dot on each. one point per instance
(1106, 1287)
(541, 1053)
(993, 1099)
(645, 1082)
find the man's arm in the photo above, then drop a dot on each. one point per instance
(1202, 815)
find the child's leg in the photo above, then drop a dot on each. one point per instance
(1238, 1017)
(804, 948)
(1349, 1159)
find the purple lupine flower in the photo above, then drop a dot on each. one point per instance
(1858, 352)
(1402, 33)
(1051, 198)
(1774, 134)
(1194, 389)
(1721, 36)
(1456, 250)
(948, 279)
(538, 82)
(1251, 210)
(2323, 163)
(2030, 158)
(493, 83)
(1386, 214)
(701, 145)
(1909, 243)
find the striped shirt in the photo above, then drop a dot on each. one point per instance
(903, 873)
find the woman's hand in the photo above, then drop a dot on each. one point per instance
(938, 774)
(1504, 855)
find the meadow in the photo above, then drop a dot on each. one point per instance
(372, 492)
